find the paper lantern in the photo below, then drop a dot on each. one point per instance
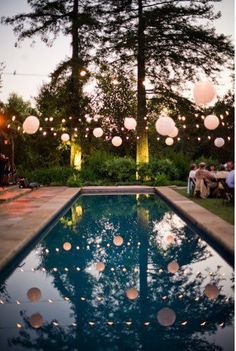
(31, 125)
(34, 294)
(164, 125)
(174, 132)
(169, 141)
(219, 142)
(173, 267)
(204, 92)
(170, 239)
(211, 291)
(130, 123)
(211, 122)
(116, 141)
(118, 240)
(166, 317)
(67, 246)
(36, 320)
(98, 132)
(132, 293)
(100, 266)
(65, 137)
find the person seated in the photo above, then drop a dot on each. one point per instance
(24, 184)
(230, 179)
(229, 166)
(191, 179)
(221, 176)
(203, 179)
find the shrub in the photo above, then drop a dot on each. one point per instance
(47, 176)
(145, 171)
(121, 169)
(94, 167)
(161, 179)
(167, 167)
(74, 181)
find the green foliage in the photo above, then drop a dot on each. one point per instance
(74, 181)
(161, 179)
(167, 167)
(121, 169)
(94, 167)
(50, 176)
(208, 160)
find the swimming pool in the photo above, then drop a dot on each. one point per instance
(118, 272)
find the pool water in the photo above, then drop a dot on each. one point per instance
(119, 272)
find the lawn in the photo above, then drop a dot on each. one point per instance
(216, 206)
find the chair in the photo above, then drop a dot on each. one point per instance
(226, 193)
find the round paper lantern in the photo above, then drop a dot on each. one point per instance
(98, 132)
(31, 125)
(100, 266)
(36, 320)
(65, 137)
(174, 132)
(34, 294)
(116, 141)
(166, 316)
(173, 267)
(219, 142)
(67, 246)
(211, 122)
(132, 293)
(164, 125)
(169, 141)
(204, 92)
(130, 123)
(170, 239)
(118, 240)
(211, 291)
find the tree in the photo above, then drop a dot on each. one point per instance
(72, 18)
(169, 43)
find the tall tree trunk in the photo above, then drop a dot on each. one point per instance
(75, 151)
(142, 151)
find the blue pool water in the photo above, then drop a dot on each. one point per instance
(164, 288)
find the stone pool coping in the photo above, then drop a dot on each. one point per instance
(18, 227)
(216, 228)
(15, 235)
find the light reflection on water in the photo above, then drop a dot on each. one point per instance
(84, 309)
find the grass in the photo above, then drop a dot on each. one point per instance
(216, 206)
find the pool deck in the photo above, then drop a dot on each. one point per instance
(215, 227)
(23, 218)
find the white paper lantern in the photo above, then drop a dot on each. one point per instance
(34, 294)
(100, 266)
(204, 92)
(219, 142)
(211, 291)
(31, 125)
(132, 293)
(164, 125)
(65, 137)
(169, 141)
(130, 123)
(36, 320)
(166, 317)
(116, 141)
(98, 132)
(67, 246)
(173, 267)
(211, 122)
(118, 240)
(174, 132)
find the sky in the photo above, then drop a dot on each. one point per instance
(37, 62)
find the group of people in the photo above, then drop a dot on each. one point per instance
(203, 182)
(7, 171)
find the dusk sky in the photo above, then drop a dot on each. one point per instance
(40, 60)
